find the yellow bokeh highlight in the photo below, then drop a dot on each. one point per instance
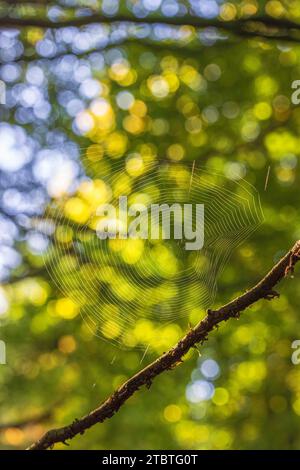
(172, 81)
(221, 396)
(172, 413)
(95, 152)
(123, 289)
(33, 291)
(77, 210)
(64, 234)
(169, 335)
(67, 344)
(274, 8)
(132, 251)
(228, 11)
(66, 308)
(281, 143)
(116, 144)
(34, 35)
(191, 435)
(158, 86)
(14, 436)
(111, 329)
(94, 193)
(119, 70)
(48, 361)
(145, 332)
(193, 124)
(175, 152)
(285, 175)
(103, 119)
(138, 108)
(262, 111)
(251, 373)
(251, 63)
(265, 86)
(165, 261)
(190, 76)
(249, 8)
(169, 62)
(135, 165)
(122, 186)
(296, 406)
(134, 124)
(121, 73)
(221, 439)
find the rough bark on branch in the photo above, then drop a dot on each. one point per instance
(263, 290)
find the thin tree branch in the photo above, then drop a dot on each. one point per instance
(186, 20)
(36, 419)
(262, 26)
(27, 422)
(169, 360)
(167, 46)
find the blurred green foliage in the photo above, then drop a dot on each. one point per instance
(227, 106)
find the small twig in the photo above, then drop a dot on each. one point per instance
(113, 359)
(145, 352)
(27, 422)
(192, 175)
(267, 177)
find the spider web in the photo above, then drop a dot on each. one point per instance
(119, 284)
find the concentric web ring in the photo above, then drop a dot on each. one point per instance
(121, 285)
